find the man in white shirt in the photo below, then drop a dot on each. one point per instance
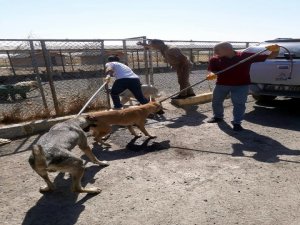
(125, 79)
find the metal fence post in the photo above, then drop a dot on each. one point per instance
(151, 67)
(125, 52)
(146, 62)
(11, 64)
(37, 75)
(62, 61)
(103, 73)
(50, 77)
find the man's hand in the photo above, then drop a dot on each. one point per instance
(273, 48)
(107, 79)
(211, 76)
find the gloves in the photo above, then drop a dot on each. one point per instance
(107, 79)
(273, 48)
(211, 76)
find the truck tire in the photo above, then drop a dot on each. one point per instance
(264, 98)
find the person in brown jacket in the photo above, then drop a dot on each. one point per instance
(178, 61)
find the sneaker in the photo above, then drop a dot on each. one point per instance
(215, 120)
(237, 127)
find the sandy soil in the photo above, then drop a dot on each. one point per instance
(193, 173)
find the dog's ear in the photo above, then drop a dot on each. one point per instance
(91, 118)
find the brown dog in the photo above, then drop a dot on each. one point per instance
(126, 117)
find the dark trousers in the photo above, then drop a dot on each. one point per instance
(133, 85)
(183, 73)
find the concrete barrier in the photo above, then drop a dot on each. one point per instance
(29, 128)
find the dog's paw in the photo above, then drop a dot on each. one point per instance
(152, 136)
(138, 135)
(46, 188)
(102, 163)
(90, 190)
(106, 144)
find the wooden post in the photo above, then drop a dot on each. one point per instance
(50, 77)
(62, 61)
(37, 75)
(11, 64)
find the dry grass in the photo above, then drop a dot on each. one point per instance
(16, 116)
(66, 107)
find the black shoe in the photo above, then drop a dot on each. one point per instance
(215, 120)
(160, 112)
(237, 127)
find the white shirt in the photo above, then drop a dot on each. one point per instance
(121, 70)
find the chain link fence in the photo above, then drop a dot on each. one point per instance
(47, 78)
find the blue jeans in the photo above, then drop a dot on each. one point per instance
(238, 97)
(133, 85)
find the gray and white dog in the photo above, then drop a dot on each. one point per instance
(148, 90)
(52, 153)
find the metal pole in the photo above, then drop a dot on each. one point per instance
(37, 75)
(50, 77)
(151, 67)
(91, 98)
(103, 73)
(138, 59)
(62, 61)
(71, 61)
(125, 52)
(146, 62)
(132, 59)
(103, 56)
(11, 64)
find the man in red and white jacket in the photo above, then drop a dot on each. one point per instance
(235, 81)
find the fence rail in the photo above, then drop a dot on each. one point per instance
(59, 75)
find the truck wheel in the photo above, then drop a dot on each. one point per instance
(263, 98)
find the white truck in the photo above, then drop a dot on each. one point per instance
(279, 76)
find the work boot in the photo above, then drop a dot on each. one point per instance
(215, 120)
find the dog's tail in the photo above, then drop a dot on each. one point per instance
(38, 157)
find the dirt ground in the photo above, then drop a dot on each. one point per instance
(193, 173)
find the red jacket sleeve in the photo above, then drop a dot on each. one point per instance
(212, 65)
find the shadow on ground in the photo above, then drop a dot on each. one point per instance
(135, 147)
(62, 205)
(277, 113)
(191, 117)
(265, 148)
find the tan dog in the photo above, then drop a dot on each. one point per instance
(126, 117)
